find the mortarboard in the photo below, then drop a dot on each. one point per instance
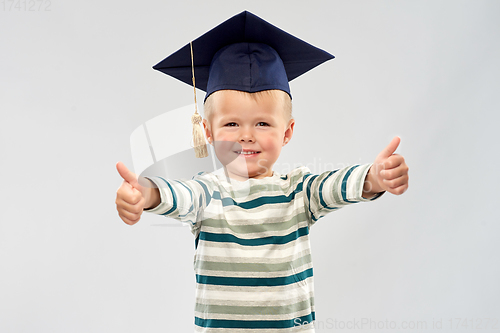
(243, 53)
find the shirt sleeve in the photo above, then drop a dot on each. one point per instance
(183, 200)
(332, 190)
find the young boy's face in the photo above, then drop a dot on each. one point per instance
(248, 132)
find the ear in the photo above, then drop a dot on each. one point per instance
(208, 132)
(288, 132)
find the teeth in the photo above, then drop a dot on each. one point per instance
(247, 152)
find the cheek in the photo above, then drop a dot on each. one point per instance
(270, 142)
(223, 135)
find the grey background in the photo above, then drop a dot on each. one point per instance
(76, 80)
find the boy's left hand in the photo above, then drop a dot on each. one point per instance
(389, 172)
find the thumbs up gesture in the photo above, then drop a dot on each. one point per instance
(388, 173)
(132, 197)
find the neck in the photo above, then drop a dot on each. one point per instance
(242, 178)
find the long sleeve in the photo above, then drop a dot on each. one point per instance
(183, 200)
(332, 190)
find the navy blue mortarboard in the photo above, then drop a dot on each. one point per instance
(243, 53)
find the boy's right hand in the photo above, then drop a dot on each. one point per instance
(131, 197)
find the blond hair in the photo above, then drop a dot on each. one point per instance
(275, 94)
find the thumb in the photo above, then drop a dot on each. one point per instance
(391, 148)
(127, 175)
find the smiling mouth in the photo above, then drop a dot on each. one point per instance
(247, 152)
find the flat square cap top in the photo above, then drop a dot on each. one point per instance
(243, 53)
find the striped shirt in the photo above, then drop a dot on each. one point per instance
(252, 258)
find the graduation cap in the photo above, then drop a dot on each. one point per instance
(243, 53)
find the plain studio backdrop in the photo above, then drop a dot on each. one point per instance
(76, 80)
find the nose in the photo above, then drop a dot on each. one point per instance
(246, 135)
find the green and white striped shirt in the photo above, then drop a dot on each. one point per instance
(253, 264)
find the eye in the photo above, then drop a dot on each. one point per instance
(262, 123)
(231, 124)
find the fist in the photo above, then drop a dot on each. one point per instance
(130, 196)
(389, 172)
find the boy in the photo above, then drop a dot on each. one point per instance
(252, 260)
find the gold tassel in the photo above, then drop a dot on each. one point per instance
(200, 146)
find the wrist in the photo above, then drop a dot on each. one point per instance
(151, 194)
(371, 185)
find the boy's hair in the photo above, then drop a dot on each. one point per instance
(276, 94)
